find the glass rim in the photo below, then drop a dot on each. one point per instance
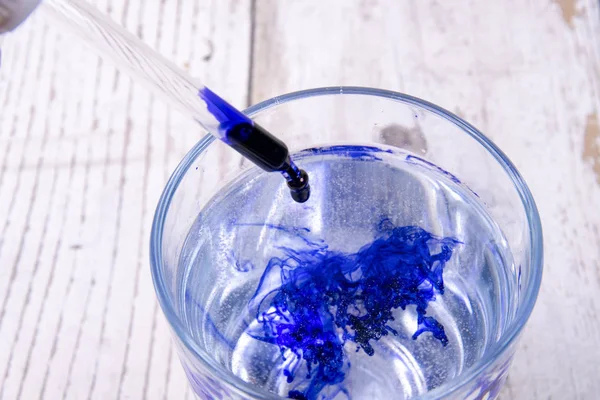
(530, 293)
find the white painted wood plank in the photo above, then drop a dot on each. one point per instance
(85, 154)
(526, 74)
(30, 213)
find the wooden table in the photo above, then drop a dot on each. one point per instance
(85, 153)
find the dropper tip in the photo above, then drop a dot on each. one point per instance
(300, 189)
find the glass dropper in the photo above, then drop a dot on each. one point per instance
(183, 92)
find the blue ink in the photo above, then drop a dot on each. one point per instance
(239, 265)
(328, 298)
(244, 266)
(298, 232)
(256, 144)
(366, 153)
(227, 115)
(209, 323)
(490, 383)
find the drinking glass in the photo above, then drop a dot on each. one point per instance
(428, 135)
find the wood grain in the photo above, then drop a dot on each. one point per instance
(85, 153)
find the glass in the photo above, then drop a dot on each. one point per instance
(434, 140)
